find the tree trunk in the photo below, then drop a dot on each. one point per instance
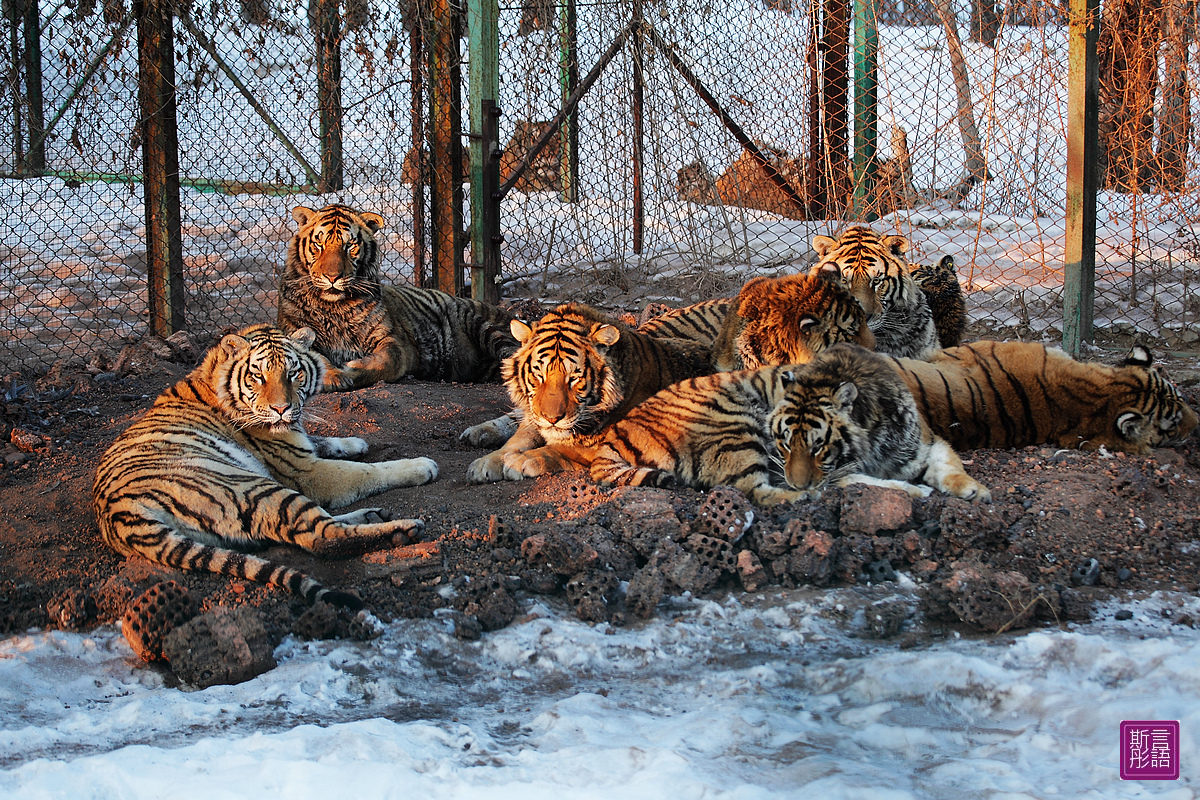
(828, 175)
(975, 168)
(1130, 32)
(1175, 119)
(985, 23)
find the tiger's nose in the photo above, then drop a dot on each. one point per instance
(280, 410)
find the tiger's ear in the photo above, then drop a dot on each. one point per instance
(520, 331)
(897, 244)
(374, 221)
(829, 270)
(1131, 425)
(1139, 356)
(823, 244)
(807, 322)
(302, 214)
(303, 338)
(845, 395)
(605, 334)
(234, 342)
(787, 378)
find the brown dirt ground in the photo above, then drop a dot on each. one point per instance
(1020, 560)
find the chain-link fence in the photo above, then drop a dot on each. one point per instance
(654, 188)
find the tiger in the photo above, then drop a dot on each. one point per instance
(873, 268)
(374, 332)
(221, 464)
(783, 433)
(700, 322)
(788, 320)
(1016, 394)
(944, 294)
(578, 371)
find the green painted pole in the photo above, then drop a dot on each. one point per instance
(568, 77)
(1083, 93)
(866, 104)
(484, 41)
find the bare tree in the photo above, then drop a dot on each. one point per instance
(975, 167)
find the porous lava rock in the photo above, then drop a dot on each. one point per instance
(223, 646)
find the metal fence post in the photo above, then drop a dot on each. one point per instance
(327, 28)
(160, 166)
(568, 77)
(866, 99)
(484, 37)
(35, 157)
(416, 73)
(639, 103)
(1083, 92)
(445, 146)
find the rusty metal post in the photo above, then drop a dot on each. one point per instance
(639, 111)
(1083, 99)
(160, 166)
(420, 168)
(445, 146)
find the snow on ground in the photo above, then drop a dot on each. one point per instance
(755, 696)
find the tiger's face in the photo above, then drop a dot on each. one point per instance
(790, 320)
(1155, 415)
(870, 266)
(813, 432)
(560, 377)
(266, 377)
(337, 250)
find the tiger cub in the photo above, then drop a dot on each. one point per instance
(946, 300)
(1015, 394)
(788, 320)
(783, 433)
(700, 322)
(578, 371)
(221, 462)
(873, 268)
(374, 332)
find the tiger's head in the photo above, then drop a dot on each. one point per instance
(263, 377)
(935, 276)
(560, 376)
(335, 251)
(813, 430)
(789, 320)
(1150, 410)
(870, 265)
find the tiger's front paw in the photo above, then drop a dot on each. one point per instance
(518, 466)
(492, 433)
(414, 471)
(364, 516)
(487, 469)
(773, 495)
(967, 488)
(340, 447)
(406, 531)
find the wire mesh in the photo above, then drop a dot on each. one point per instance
(657, 199)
